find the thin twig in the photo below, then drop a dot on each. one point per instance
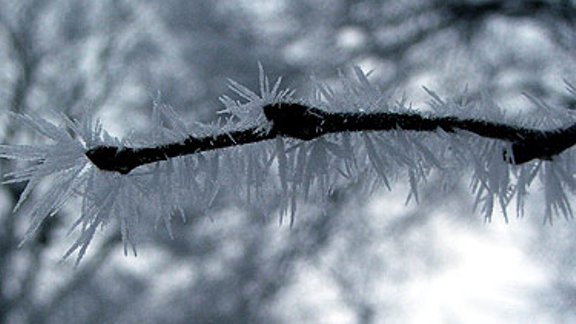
(292, 120)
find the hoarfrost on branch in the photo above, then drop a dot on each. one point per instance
(275, 145)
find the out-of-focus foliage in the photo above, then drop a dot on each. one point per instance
(226, 264)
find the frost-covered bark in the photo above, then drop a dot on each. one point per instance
(273, 145)
(298, 121)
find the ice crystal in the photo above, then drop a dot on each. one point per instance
(281, 172)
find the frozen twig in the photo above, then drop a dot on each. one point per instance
(293, 120)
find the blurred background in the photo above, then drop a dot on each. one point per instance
(353, 259)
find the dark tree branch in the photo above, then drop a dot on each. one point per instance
(469, 10)
(291, 120)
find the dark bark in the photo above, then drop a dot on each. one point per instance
(292, 120)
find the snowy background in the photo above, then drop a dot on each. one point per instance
(355, 258)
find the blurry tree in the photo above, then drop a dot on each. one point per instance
(114, 55)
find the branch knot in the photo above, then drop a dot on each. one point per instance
(296, 120)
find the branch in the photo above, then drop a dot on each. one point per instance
(528, 8)
(292, 120)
